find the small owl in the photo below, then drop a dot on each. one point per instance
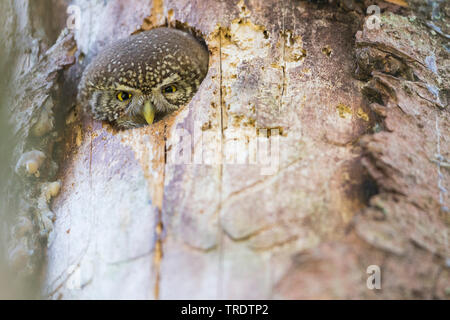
(151, 73)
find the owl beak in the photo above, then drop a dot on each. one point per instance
(148, 112)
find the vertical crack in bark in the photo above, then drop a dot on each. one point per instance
(158, 255)
(283, 92)
(283, 54)
(219, 208)
(157, 18)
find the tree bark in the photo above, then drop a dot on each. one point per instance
(316, 147)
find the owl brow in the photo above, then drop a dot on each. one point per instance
(122, 87)
(173, 78)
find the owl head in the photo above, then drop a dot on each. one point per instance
(144, 76)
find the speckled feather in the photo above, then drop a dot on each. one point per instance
(144, 62)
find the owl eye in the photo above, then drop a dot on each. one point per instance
(123, 96)
(170, 89)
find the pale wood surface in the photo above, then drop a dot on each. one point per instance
(133, 223)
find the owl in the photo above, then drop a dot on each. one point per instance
(144, 76)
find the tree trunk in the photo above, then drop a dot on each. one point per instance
(315, 152)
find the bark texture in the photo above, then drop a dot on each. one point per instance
(354, 118)
(30, 68)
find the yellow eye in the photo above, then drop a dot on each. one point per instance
(170, 89)
(123, 96)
